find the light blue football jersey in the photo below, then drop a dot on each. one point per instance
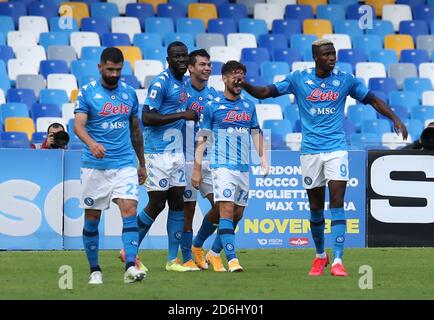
(166, 95)
(231, 123)
(197, 100)
(321, 103)
(108, 115)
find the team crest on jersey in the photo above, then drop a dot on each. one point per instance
(308, 180)
(188, 194)
(336, 83)
(88, 201)
(124, 96)
(227, 193)
(163, 183)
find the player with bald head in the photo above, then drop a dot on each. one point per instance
(321, 93)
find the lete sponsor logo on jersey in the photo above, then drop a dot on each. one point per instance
(318, 95)
(110, 109)
(232, 116)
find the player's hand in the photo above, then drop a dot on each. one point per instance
(97, 150)
(398, 126)
(190, 115)
(265, 167)
(241, 81)
(143, 174)
(196, 179)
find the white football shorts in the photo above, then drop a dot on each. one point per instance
(165, 170)
(230, 185)
(318, 169)
(205, 188)
(99, 187)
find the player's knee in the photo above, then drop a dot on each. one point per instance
(336, 203)
(316, 207)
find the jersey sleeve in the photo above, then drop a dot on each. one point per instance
(358, 89)
(206, 117)
(286, 85)
(135, 108)
(254, 124)
(81, 105)
(156, 94)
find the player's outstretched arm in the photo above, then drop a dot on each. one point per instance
(96, 148)
(385, 110)
(137, 142)
(258, 141)
(255, 91)
(153, 118)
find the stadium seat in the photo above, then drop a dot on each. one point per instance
(313, 3)
(81, 68)
(393, 141)
(408, 99)
(115, 39)
(257, 55)
(79, 10)
(425, 42)
(131, 54)
(185, 38)
(18, 39)
(299, 12)
(288, 55)
(223, 26)
(378, 5)
(398, 42)
(301, 65)
(352, 56)
(414, 28)
(287, 27)
(417, 85)
(301, 42)
(271, 68)
(104, 9)
(396, 13)
(204, 11)
(39, 110)
(386, 57)
(276, 131)
(86, 79)
(241, 40)
(414, 127)
(235, 11)
(91, 53)
(26, 96)
(255, 26)
(35, 82)
(368, 43)
(13, 9)
(250, 4)
(147, 40)
(401, 111)
(317, 27)
(2, 98)
(344, 67)
(192, 26)
(162, 26)
(156, 54)
(216, 82)
(416, 56)
(47, 39)
(62, 24)
(359, 113)
(355, 11)
(84, 39)
(53, 66)
(14, 139)
(38, 138)
(130, 80)
(172, 10)
(141, 11)
(208, 40)
(154, 3)
(16, 66)
(6, 53)
(424, 12)
(143, 68)
(268, 112)
(349, 27)
(340, 41)
(273, 41)
(43, 123)
(62, 81)
(20, 125)
(33, 24)
(381, 28)
(293, 141)
(385, 85)
(426, 70)
(68, 112)
(223, 54)
(428, 98)
(267, 12)
(100, 25)
(35, 53)
(421, 114)
(216, 68)
(56, 96)
(332, 12)
(400, 71)
(6, 24)
(13, 110)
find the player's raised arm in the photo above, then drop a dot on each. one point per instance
(151, 117)
(256, 91)
(80, 121)
(385, 110)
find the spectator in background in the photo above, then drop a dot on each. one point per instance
(425, 141)
(57, 138)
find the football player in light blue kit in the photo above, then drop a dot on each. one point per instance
(198, 94)
(163, 116)
(228, 121)
(321, 94)
(106, 121)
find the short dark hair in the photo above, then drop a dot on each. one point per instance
(175, 44)
(55, 125)
(201, 53)
(112, 54)
(231, 66)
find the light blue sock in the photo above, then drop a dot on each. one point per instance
(144, 222)
(186, 242)
(91, 241)
(338, 231)
(175, 225)
(217, 245)
(227, 236)
(205, 231)
(317, 229)
(130, 239)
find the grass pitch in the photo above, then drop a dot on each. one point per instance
(398, 273)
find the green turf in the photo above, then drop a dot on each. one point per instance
(399, 273)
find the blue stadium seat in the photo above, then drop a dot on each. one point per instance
(162, 26)
(365, 140)
(13, 109)
(354, 14)
(156, 54)
(380, 94)
(409, 99)
(367, 43)
(126, 68)
(185, 38)
(6, 53)
(344, 3)
(107, 10)
(401, 111)
(422, 114)
(273, 41)
(54, 38)
(190, 25)
(349, 129)
(100, 25)
(288, 55)
(184, 2)
(26, 96)
(14, 9)
(385, 56)
(43, 8)
(255, 26)
(258, 81)
(271, 68)
(6, 24)
(130, 80)
(171, 10)
(223, 26)
(414, 28)
(411, 3)
(115, 39)
(350, 27)
(307, 55)
(141, 11)
(57, 96)
(279, 129)
(257, 55)
(56, 25)
(5, 83)
(291, 113)
(417, 85)
(352, 56)
(301, 42)
(252, 68)
(91, 53)
(287, 27)
(414, 127)
(81, 68)
(332, 12)
(299, 12)
(385, 85)
(52, 66)
(45, 110)
(416, 56)
(381, 28)
(2, 39)
(13, 139)
(359, 112)
(87, 78)
(147, 40)
(235, 11)
(423, 12)
(344, 67)
(216, 68)
(39, 137)
(216, 2)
